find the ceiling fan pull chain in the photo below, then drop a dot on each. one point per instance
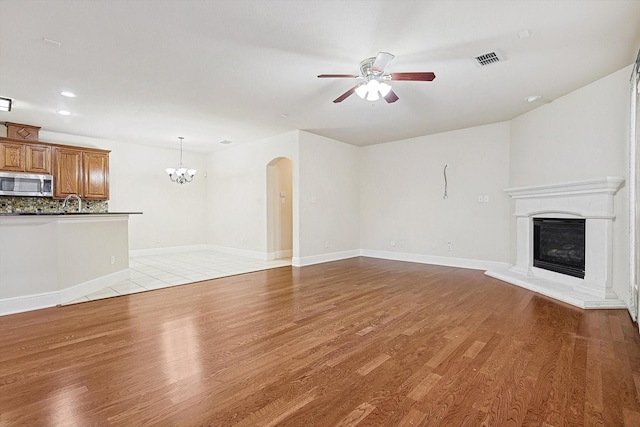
(446, 184)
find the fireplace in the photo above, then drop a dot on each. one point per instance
(559, 245)
(573, 259)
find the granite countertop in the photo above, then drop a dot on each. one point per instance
(66, 213)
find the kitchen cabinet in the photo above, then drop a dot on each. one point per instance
(37, 158)
(67, 172)
(16, 156)
(76, 170)
(95, 168)
(11, 156)
(81, 171)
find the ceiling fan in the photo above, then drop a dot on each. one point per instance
(374, 84)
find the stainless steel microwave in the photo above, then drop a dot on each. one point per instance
(25, 184)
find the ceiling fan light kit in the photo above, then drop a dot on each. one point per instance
(373, 90)
(375, 84)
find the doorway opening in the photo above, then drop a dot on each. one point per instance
(280, 208)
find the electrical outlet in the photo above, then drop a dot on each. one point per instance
(113, 259)
(486, 199)
(326, 244)
(480, 198)
(449, 245)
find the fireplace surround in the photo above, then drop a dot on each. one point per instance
(590, 201)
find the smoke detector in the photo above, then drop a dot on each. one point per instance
(488, 58)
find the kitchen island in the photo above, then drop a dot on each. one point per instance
(47, 259)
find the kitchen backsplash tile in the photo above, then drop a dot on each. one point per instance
(10, 204)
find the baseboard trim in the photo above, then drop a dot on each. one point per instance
(473, 264)
(28, 303)
(263, 256)
(168, 250)
(51, 299)
(86, 288)
(279, 254)
(319, 259)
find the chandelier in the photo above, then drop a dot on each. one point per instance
(181, 174)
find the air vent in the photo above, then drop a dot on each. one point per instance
(488, 58)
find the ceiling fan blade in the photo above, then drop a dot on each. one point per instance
(345, 95)
(382, 60)
(391, 97)
(421, 77)
(338, 76)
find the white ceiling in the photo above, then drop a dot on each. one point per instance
(150, 71)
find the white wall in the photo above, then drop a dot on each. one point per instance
(402, 186)
(329, 202)
(323, 170)
(236, 193)
(580, 136)
(173, 214)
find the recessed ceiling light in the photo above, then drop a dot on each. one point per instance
(51, 42)
(524, 34)
(532, 98)
(5, 104)
(68, 94)
(226, 141)
(64, 112)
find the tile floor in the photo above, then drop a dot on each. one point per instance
(162, 271)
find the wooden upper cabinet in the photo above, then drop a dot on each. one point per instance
(96, 175)
(11, 156)
(67, 172)
(76, 170)
(37, 159)
(80, 171)
(25, 157)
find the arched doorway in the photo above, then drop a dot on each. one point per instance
(280, 208)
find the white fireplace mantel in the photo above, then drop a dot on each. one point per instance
(591, 200)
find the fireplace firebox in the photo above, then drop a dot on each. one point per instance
(559, 245)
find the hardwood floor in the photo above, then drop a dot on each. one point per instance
(356, 342)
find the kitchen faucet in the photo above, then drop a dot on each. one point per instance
(70, 196)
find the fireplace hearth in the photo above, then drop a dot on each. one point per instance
(559, 245)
